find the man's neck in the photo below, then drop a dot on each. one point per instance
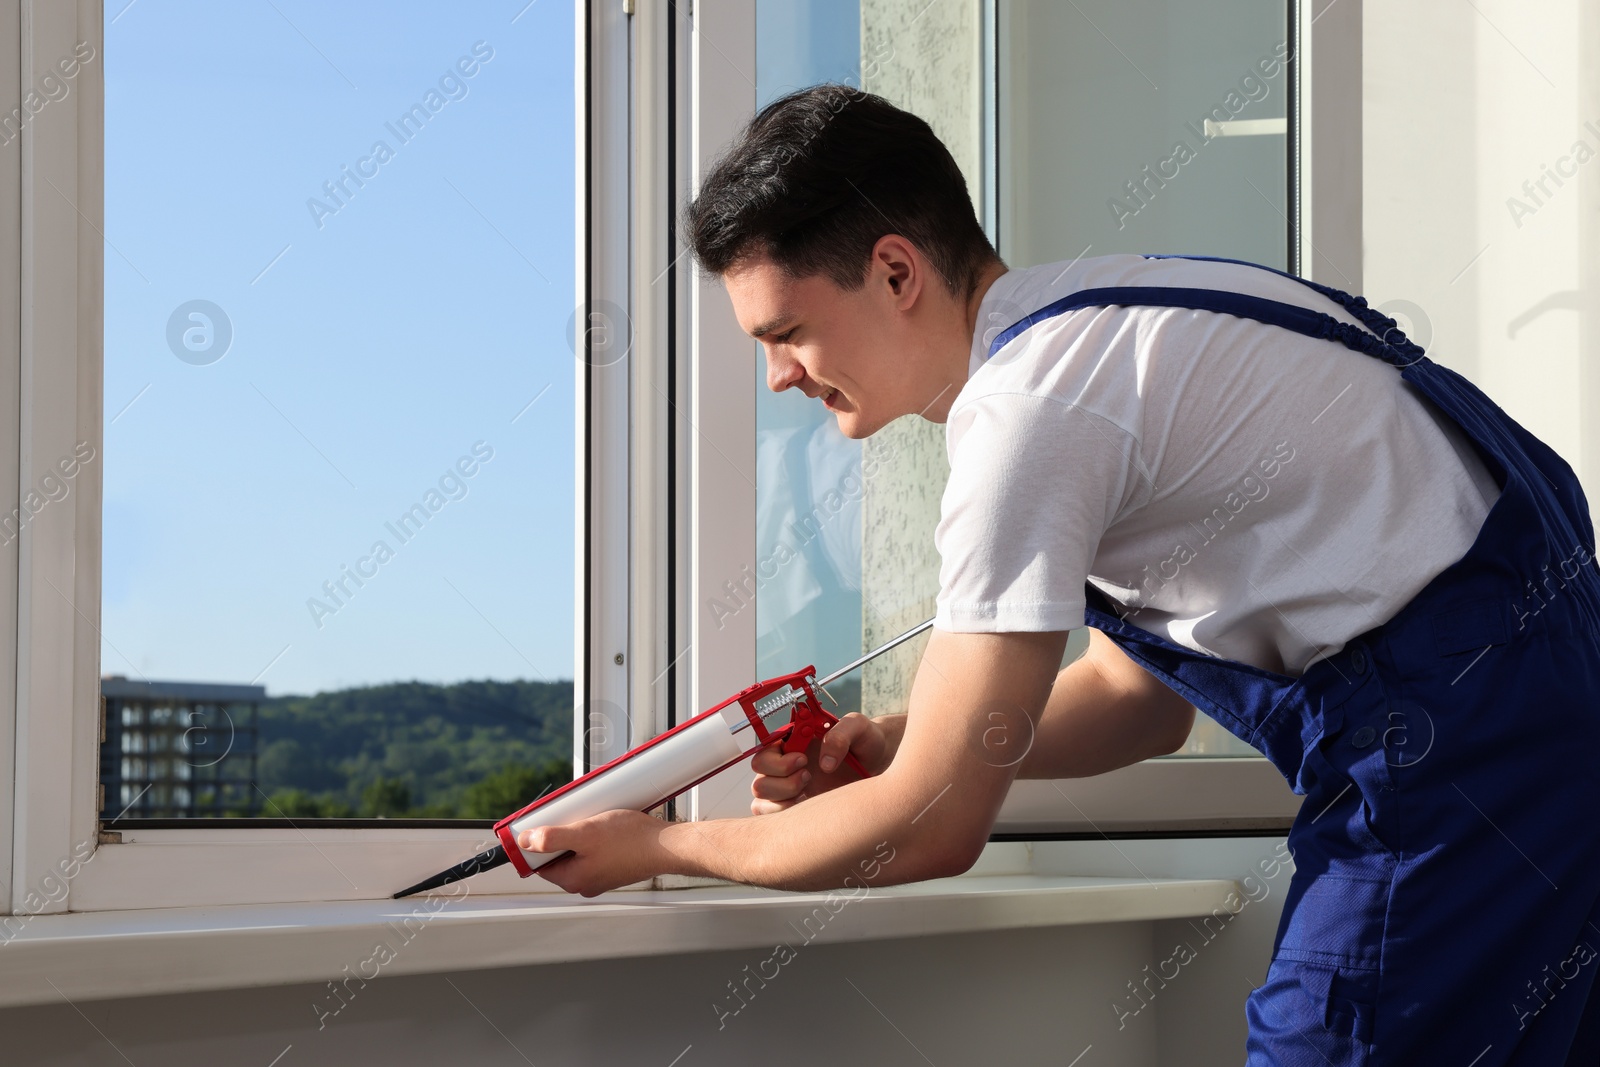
(956, 363)
(990, 273)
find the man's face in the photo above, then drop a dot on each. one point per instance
(843, 347)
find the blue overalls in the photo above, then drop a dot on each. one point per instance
(1445, 906)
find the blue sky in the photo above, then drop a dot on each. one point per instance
(369, 353)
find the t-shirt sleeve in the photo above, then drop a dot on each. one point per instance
(1034, 483)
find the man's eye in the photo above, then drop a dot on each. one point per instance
(783, 338)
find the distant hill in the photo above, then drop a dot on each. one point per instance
(473, 750)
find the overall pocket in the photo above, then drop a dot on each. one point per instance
(1331, 1009)
(1323, 980)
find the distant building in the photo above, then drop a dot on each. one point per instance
(178, 750)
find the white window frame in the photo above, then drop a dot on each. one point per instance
(53, 400)
(10, 444)
(631, 596)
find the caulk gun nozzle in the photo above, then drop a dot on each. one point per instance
(488, 859)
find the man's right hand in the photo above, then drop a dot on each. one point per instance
(784, 778)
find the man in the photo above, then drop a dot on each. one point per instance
(1268, 504)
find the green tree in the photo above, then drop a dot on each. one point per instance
(440, 741)
(513, 787)
(299, 804)
(386, 798)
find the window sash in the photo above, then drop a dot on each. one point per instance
(56, 279)
(1194, 794)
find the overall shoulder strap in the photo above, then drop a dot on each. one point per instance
(1271, 312)
(1376, 321)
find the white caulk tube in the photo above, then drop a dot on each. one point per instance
(661, 768)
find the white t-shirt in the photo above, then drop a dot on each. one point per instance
(1240, 489)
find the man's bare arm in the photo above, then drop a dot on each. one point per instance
(932, 806)
(1105, 711)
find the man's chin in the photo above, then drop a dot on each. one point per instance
(853, 426)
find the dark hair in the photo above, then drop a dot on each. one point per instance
(819, 175)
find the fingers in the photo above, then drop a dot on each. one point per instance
(774, 761)
(847, 732)
(543, 840)
(769, 787)
(783, 778)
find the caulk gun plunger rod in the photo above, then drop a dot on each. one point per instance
(875, 653)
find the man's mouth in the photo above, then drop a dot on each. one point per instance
(829, 397)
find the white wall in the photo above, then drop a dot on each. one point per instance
(1463, 104)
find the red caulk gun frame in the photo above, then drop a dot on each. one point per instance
(783, 709)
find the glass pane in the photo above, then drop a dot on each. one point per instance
(1148, 126)
(338, 534)
(808, 474)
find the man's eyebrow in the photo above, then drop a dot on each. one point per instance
(772, 324)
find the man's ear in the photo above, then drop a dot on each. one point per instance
(904, 264)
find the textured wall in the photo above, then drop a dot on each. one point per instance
(926, 59)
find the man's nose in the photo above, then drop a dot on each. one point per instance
(782, 373)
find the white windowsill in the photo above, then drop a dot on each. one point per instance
(172, 950)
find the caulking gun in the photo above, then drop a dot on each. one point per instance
(783, 709)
